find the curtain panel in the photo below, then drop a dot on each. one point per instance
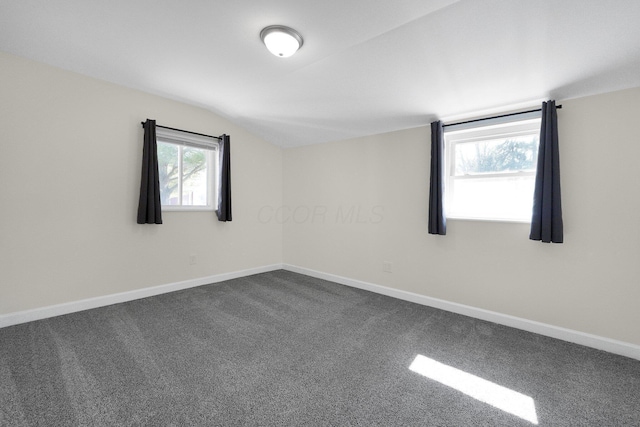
(224, 183)
(149, 208)
(546, 219)
(437, 219)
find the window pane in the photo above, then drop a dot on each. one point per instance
(194, 177)
(511, 154)
(493, 198)
(187, 170)
(168, 168)
(491, 170)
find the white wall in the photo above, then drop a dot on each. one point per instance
(70, 153)
(71, 150)
(591, 283)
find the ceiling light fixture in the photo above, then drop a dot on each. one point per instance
(280, 40)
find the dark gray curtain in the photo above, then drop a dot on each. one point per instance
(149, 211)
(224, 188)
(546, 221)
(437, 220)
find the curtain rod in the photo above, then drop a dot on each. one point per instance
(186, 131)
(497, 117)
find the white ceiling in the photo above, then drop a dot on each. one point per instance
(366, 67)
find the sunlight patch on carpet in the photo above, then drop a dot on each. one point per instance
(480, 389)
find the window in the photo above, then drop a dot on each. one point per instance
(490, 169)
(187, 166)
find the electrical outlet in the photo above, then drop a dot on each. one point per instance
(193, 260)
(387, 267)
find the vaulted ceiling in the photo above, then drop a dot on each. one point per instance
(366, 67)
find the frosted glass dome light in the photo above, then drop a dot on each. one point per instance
(281, 41)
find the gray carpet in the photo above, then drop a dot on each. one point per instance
(285, 349)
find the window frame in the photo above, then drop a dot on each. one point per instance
(211, 145)
(490, 129)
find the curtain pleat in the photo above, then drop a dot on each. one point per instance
(437, 219)
(149, 208)
(546, 219)
(224, 186)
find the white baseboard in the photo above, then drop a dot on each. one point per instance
(601, 343)
(86, 304)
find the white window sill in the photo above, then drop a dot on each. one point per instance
(507, 220)
(187, 209)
